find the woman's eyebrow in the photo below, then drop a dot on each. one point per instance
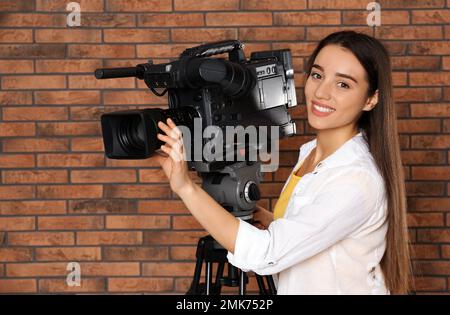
(343, 75)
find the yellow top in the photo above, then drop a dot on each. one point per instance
(280, 206)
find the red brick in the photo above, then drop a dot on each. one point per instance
(32, 207)
(139, 222)
(68, 253)
(15, 97)
(135, 36)
(33, 51)
(317, 33)
(409, 32)
(18, 286)
(17, 161)
(430, 16)
(135, 253)
(415, 62)
(429, 48)
(10, 192)
(425, 189)
(34, 82)
(12, 254)
(69, 191)
(103, 176)
(430, 142)
(109, 20)
(412, 4)
(170, 19)
(429, 284)
(90, 82)
(417, 94)
(78, 113)
(186, 223)
(67, 97)
(32, 113)
(161, 51)
(139, 5)
(178, 269)
(103, 206)
(311, 18)
(142, 284)
(65, 66)
(272, 34)
(60, 5)
(424, 251)
(17, 129)
(337, 4)
(205, 5)
(87, 144)
(16, 36)
(70, 160)
(16, 66)
(297, 49)
(101, 51)
(71, 223)
(14, 5)
(152, 176)
(434, 267)
(35, 145)
(34, 176)
(110, 268)
(274, 5)
(132, 163)
(172, 237)
(430, 110)
(162, 207)
(68, 36)
(419, 126)
(387, 17)
(429, 204)
(238, 18)
(425, 219)
(87, 285)
(201, 35)
(137, 191)
(40, 238)
(132, 98)
(431, 172)
(69, 129)
(109, 238)
(182, 252)
(429, 78)
(33, 20)
(433, 235)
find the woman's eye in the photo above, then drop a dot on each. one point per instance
(343, 85)
(315, 75)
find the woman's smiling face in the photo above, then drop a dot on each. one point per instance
(336, 89)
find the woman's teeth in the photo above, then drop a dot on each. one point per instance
(323, 109)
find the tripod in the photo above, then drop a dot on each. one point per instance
(210, 252)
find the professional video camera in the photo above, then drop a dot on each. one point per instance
(206, 92)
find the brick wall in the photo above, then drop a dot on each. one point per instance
(62, 201)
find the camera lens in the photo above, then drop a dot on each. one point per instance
(131, 134)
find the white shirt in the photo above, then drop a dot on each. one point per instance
(332, 236)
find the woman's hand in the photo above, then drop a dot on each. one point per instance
(173, 162)
(262, 217)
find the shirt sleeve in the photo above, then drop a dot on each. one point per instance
(346, 202)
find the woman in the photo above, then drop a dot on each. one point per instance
(339, 226)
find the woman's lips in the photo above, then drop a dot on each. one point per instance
(321, 110)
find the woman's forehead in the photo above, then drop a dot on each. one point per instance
(337, 59)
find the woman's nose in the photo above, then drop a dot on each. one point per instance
(322, 90)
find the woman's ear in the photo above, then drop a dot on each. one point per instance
(372, 101)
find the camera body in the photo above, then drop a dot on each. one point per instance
(219, 92)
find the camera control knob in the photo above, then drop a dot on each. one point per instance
(251, 192)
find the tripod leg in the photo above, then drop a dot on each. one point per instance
(208, 278)
(261, 285)
(196, 279)
(219, 275)
(272, 289)
(242, 283)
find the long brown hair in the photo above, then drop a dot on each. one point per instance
(380, 126)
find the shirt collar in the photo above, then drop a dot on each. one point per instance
(344, 155)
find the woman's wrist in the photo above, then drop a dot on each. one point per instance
(186, 190)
